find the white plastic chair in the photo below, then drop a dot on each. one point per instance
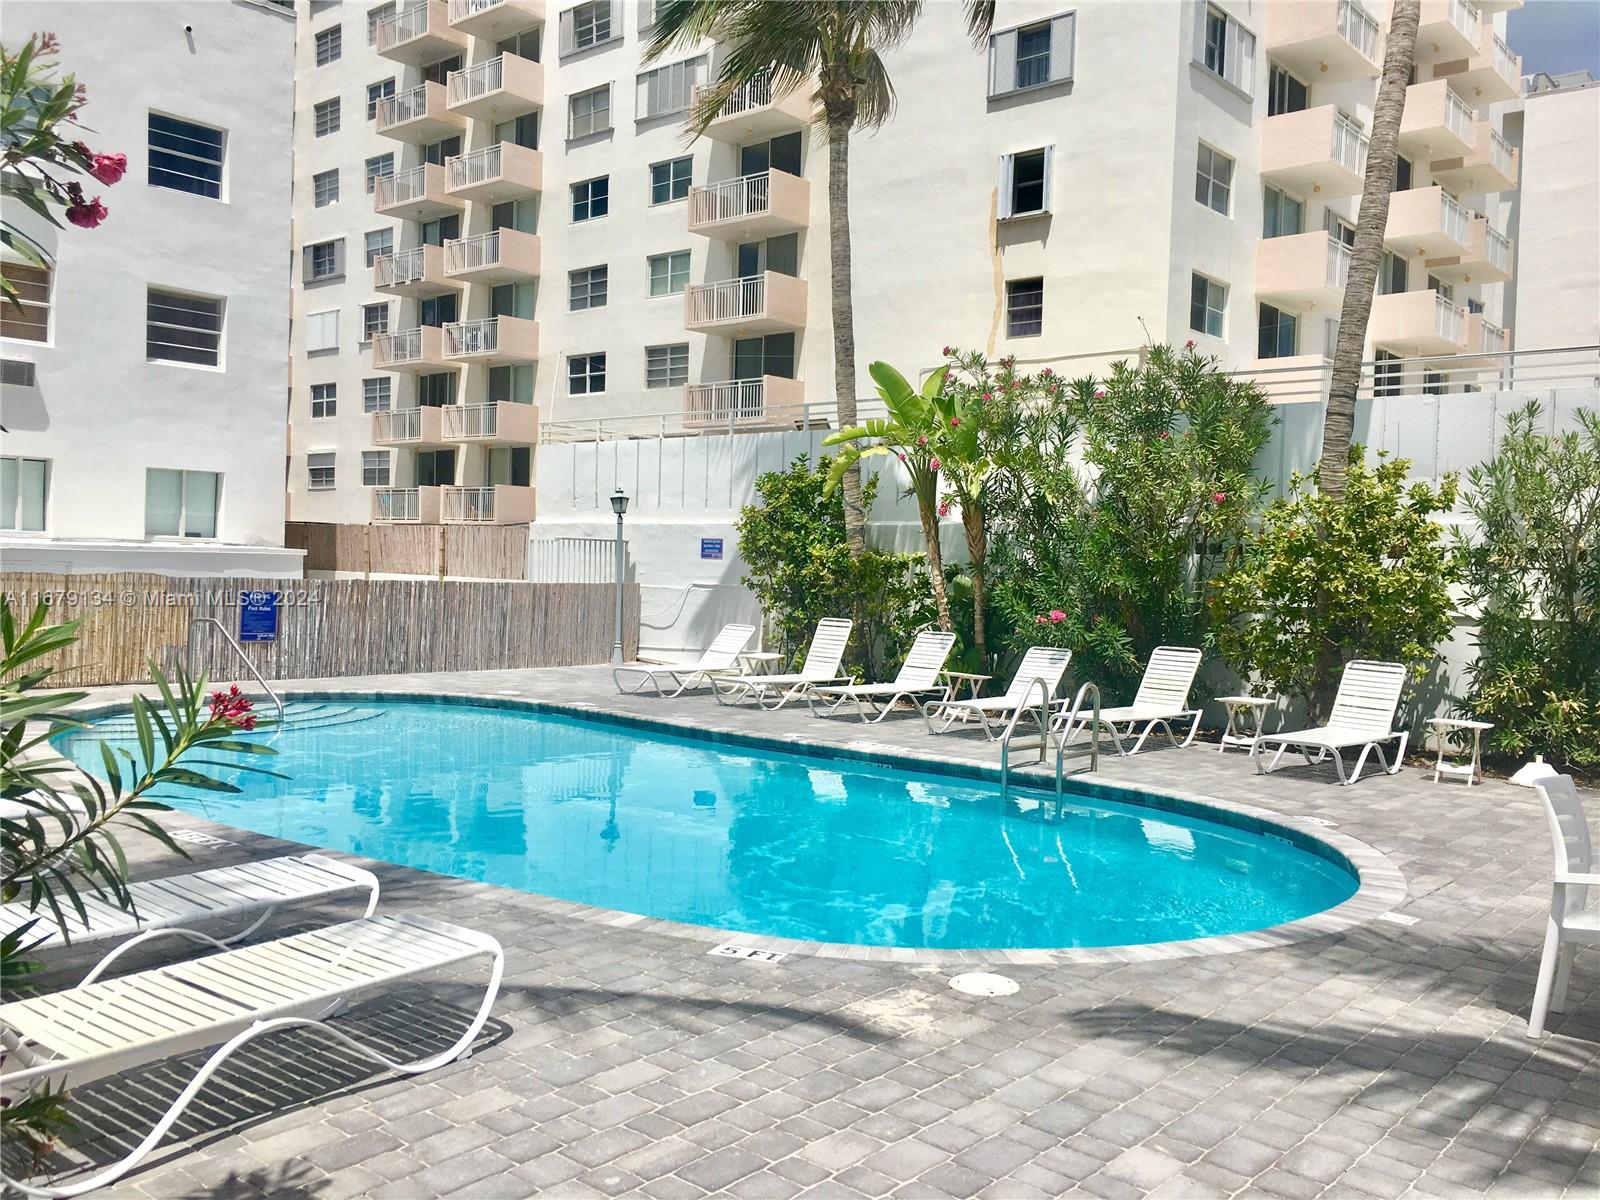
(721, 657)
(1362, 716)
(1572, 922)
(1163, 697)
(919, 675)
(828, 642)
(1041, 665)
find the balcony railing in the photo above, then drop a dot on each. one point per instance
(753, 93)
(397, 504)
(1452, 218)
(471, 253)
(749, 195)
(401, 267)
(1494, 338)
(1338, 262)
(1501, 156)
(402, 26)
(401, 188)
(397, 425)
(1497, 249)
(1358, 27)
(1349, 145)
(472, 337)
(1465, 18)
(468, 504)
(403, 106)
(474, 167)
(477, 80)
(731, 300)
(1506, 64)
(1447, 319)
(460, 10)
(1457, 116)
(463, 421)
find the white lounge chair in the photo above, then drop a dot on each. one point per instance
(918, 676)
(1041, 665)
(226, 1000)
(721, 657)
(1573, 923)
(1163, 697)
(1362, 717)
(828, 642)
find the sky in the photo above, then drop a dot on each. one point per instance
(1556, 35)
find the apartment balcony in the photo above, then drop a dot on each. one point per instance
(417, 351)
(1447, 30)
(1429, 224)
(497, 504)
(495, 19)
(1325, 41)
(1436, 123)
(1318, 151)
(753, 111)
(1491, 74)
(405, 506)
(419, 115)
(1487, 258)
(751, 207)
(1484, 338)
(418, 428)
(498, 89)
(502, 256)
(770, 402)
(495, 174)
(492, 341)
(1419, 324)
(499, 424)
(415, 195)
(413, 273)
(1302, 273)
(1490, 166)
(420, 33)
(766, 303)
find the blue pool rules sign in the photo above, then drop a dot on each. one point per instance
(258, 616)
(710, 547)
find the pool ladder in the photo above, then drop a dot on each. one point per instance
(196, 624)
(1042, 714)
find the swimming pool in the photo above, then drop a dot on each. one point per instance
(752, 840)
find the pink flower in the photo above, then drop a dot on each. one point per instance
(900, 456)
(954, 421)
(1189, 345)
(1041, 620)
(1099, 393)
(108, 168)
(922, 441)
(1057, 616)
(234, 708)
(1047, 372)
(934, 463)
(1165, 436)
(88, 214)
(946, 351)
(1218, 497)
(944, 508)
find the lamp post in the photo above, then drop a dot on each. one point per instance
(619, 505)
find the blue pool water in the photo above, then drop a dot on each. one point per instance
(754, 840)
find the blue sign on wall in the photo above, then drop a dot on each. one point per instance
(258, 616)
(710, 547)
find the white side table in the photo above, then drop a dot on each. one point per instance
(1471, 771)
(1243, 713)
(754, 660)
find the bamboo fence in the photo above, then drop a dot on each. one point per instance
(455, 551)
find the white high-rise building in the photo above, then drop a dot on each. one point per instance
(143, 404)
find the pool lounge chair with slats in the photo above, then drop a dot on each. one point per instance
(1574, 922)
(1362, 718)
(1163, 697)
(227, 1000)
(1040, 665)
(828, 643)
(918, 678)
(720, 658)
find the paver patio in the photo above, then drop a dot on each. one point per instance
(1385, 1060)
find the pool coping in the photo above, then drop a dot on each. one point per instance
(1380, 885)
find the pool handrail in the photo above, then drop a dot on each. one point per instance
(195, 623)
(1045, 735)
(1088, 689)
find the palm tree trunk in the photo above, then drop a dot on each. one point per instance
(930, 536)
(1366, 257)
(972, 521)
(844, 329)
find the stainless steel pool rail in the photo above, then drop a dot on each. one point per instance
(1042, 715)
(195, 624)
(1088, 689)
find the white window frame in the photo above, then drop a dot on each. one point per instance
(322, 330)
(324, 401)
(1003, 55)
(590, 128)
(377, 393)
(672, 268)
(220, 163)
(11, 510)
(373, 171)
(590, 285)
(376, 15)
(322, 471)
(588, 200)
(1005, 199)
(377, 468)
(325, 188)
(30, 305)
(312, 251)
(376, 243)
(1238, 49)
(666, 89)
(328, 45)
(666, 366)
(671, 167)
(222, 320)
(1220, 308)
(1010, 283)
(588, 373)
(1205, 153)
(326, 117)
(370, 328)
(586, 36)
(377, 92)
(183, 506)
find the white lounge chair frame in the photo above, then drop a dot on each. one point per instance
(720, 657)
(1163, 697)
(1362, 718)
(826, 652)
(1572, 922)
(919, 675)
(1041, 666)
(228, 1000)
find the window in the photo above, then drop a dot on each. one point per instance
(587, 289)
(181, 503)
(666, 366)
(1227, 49)
(376, 94)
(436, 391)
(1341, 230)
(319, 471)
(1285, 93)
(1281, 214)
(1402, 174)
(324, 260)
(438, 310)
(322, 331)
(376, 394)
(24, 483)
(1385, 374)
(374, 468)
(526, 44)
(1207, 298)
(437, 152)
(591, 198)
(586, 374)
(441, 70)
(1391, 274)
(378, 243)
(1024, 307)
(1031, 56)
(589, 112)
(1278, 333)
(324, 400)
(374, 320)
(666, 89)
(511, 385)
(185, 157)
(325, 188)
(325, 117)
(1213, 179)
(329, 43)
(585, 26)
(28, 320)
(670, 180)
(669, 273)
(183, 329)
(380, 166)
(377, 14)
(1216, 40)
(1024, 187)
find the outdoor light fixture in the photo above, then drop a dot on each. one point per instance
(619, 505)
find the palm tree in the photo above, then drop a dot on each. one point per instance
(1366, 256)
(836, 47)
